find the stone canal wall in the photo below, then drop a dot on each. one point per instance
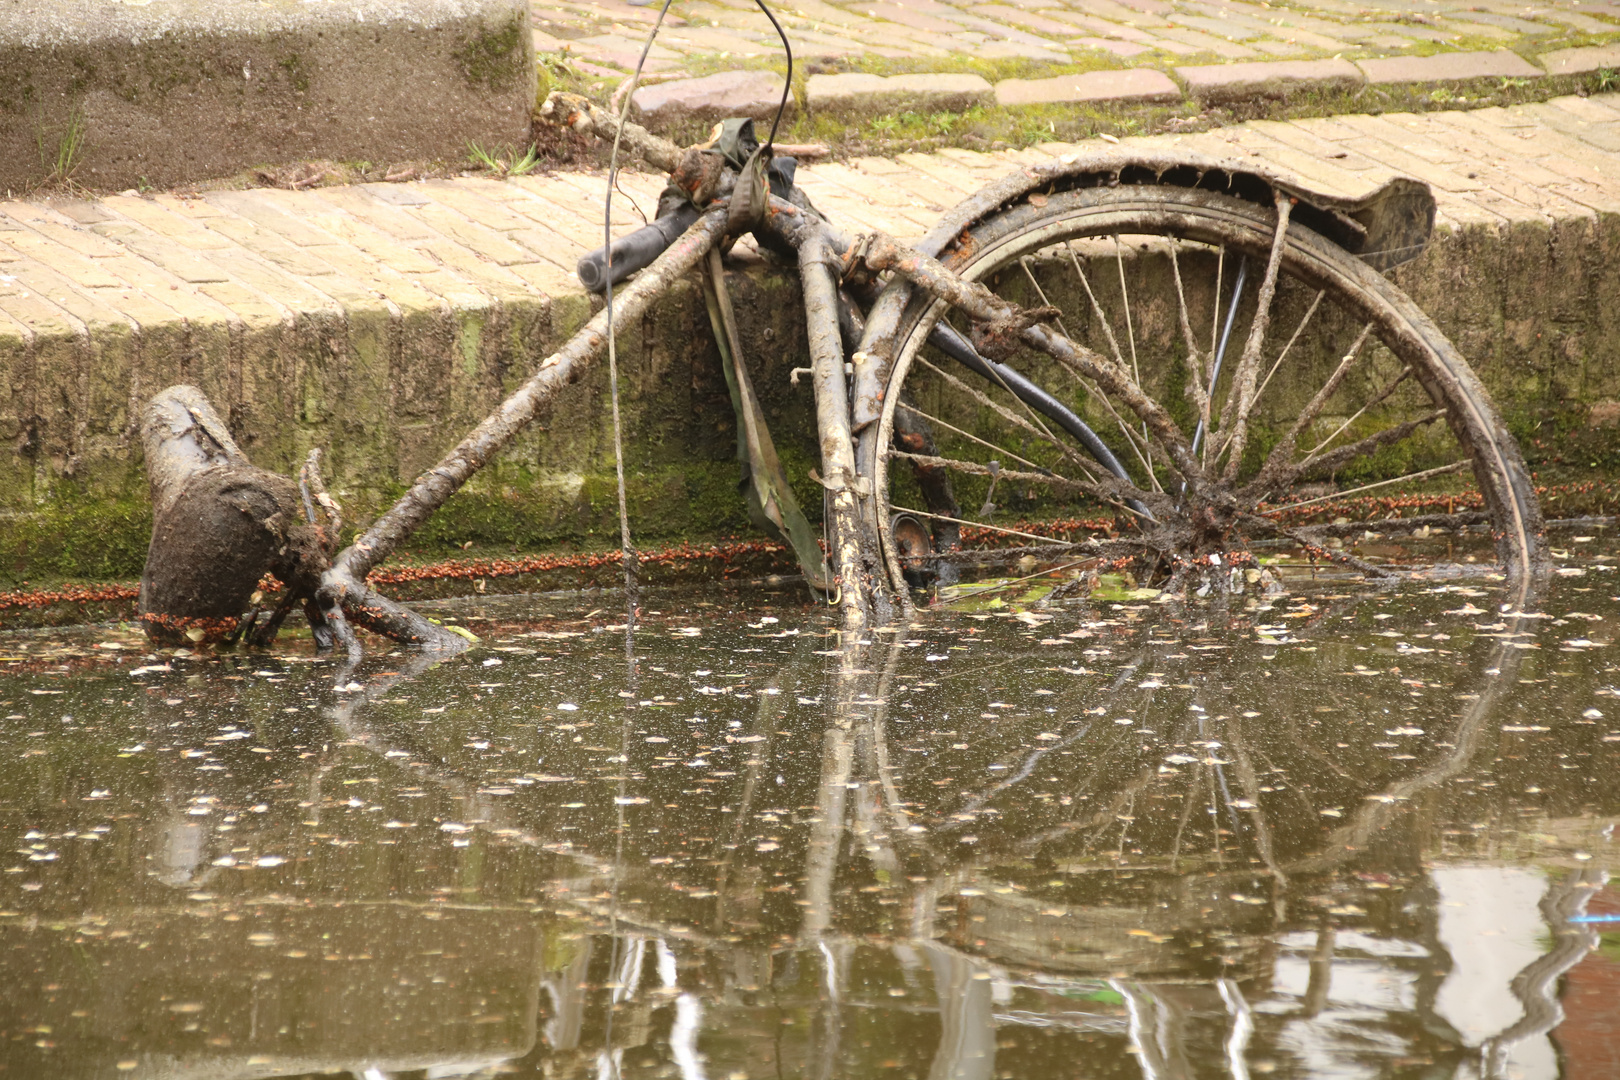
(381, 322)
(125, 95)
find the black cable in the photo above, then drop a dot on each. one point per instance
(787, 87)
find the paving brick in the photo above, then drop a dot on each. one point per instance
(1508, 176)
(1513, 26)
(164, 252)
(1461, 29)
(1599, 108)
(859, 94)
(1130, 84)
(999, 31)
(1600, 133)
(906, 14)
(1572, 159)
(1029, 20)
(172, 221)
(1230, 29)
(1209, 43)
(1448, 66)
(61, 230)
(1580, 61)
(1577, 21)
(1292, 134)
(477, 238)
(1402, 35)
(1123, 49)
(1231, 82)
(1504, 149)
(260, 207)
(942, 172)
(1402, 150)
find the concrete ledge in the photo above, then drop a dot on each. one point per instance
(1442, 67)
(713, 97)
(185, 90)
(864, 95)
(1229, 82)
(1128, 85)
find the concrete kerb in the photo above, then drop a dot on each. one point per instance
(1581, 61)
(1215, 83)
(1449, 67)
(853, 94)
(1124, 85)
(190, 90)
(754, 94)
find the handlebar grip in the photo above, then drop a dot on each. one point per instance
(639, 249)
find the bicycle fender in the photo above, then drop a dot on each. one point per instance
(1384, 225)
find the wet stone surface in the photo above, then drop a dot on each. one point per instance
(1336, 832)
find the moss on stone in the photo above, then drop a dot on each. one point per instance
(297, 71)
(495, 58)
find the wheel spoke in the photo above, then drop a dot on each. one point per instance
(1240, 399)
(1195, 359)
(1130, 335)
(1023, 264)
(1116, 492)
(975, 524)
(1455, 466)
(1222, 340)
(1284, 450)
(1144, 453)
(1293, 338)
(1096, 308)
(1377, 400)
(1337, 459)
(1006, 414)
(913, 410)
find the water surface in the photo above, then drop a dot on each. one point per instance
(1335, 832)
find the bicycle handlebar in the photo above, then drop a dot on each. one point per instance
(635, 251)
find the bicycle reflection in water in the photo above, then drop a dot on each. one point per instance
(1182, 874)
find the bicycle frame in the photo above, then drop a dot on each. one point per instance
(1386, 227)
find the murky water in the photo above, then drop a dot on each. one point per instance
(1341, 832)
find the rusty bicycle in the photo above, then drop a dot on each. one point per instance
(1206, 351)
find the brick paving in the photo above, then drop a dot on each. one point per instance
(85, 273)
(1388, 41)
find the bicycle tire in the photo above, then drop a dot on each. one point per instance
(1153, 231)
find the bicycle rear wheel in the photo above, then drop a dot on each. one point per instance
(1251, 383)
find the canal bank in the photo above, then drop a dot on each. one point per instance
(380, 322)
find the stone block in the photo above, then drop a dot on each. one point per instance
(1130, 85)
(867, 95)
(1235, 82)
(1580, 61)
(187, 90)
(1111, 45)
(1499, 63)
(710, 98)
